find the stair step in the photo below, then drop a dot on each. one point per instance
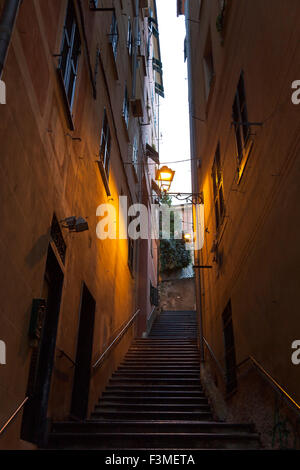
(115, 398)
(160, 375)
(150, 392)
(144, 414)
(106, 405)
(166, 369)
(158, 387)
(154, 381)
(107, 440)
(152, 426)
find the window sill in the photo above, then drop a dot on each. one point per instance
(104, 177)
(244, 161)
(66, 101)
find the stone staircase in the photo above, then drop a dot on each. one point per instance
(155, 400)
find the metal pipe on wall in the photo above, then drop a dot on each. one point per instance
(7, 22)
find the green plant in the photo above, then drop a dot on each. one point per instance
(173, 255)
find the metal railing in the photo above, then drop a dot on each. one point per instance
(275, 384)
(221, 370)
(13, 415)
(95, 365)
(278, 388)
(64, 354)
(119, 335)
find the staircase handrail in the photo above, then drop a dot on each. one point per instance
(13, 415)
(278, 388)
(221, 370)
(119, 335)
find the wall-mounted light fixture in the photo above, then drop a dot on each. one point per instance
(75, 224)
(164, 177)
(187, 237)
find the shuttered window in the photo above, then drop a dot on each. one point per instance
(218, 189)
(70, 52)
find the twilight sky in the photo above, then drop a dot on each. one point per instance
(174, 116)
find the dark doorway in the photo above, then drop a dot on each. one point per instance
(34, 423)
(81, 385)
(230, 359)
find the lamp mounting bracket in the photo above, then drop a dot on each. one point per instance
(192, 198)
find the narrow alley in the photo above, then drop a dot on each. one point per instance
(149, 243)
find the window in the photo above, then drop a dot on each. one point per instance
(114, 35)
(241, 124)
(70, 51)
(126, 107)
(218, 189)
(230, 359)
(105, 145)
(208, 64)
(129, 37)
(135, 152)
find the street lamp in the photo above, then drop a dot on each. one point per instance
(164, 176)
(187, 237)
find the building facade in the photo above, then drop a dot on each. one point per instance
(243, 61)
(79, 129)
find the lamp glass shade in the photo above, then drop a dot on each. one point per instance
(164, 176)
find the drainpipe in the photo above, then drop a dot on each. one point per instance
(135, 49)
(7, 22)
(194, 164)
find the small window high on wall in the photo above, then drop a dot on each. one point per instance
(70, 52)
(241, 125)
(217, 178)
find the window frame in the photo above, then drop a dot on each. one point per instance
(135, 153)
(218, 189)
(125, 110)
(242, 128)
(105, 144)
(105, 152)
(114, 35)
(129, 37)
(69, 62)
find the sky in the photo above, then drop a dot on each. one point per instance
(174, 114)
